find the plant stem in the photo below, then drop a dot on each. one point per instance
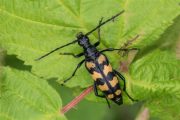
(76, 100)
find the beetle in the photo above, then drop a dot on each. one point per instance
(97, 64)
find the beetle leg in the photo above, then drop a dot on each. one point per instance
(108, 102)
(124, 47)
(102, 96)
(120, 49)
(72, 54)
(124, 88)
(122, 78)
(99, 34)
(96, 91)
(78, 66)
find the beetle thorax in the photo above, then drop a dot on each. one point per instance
(89, 50)
(84, 42)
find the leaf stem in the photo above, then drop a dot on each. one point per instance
(76, 100)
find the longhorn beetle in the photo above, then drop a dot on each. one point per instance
(97, 64)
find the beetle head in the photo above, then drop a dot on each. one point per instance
(83, 40)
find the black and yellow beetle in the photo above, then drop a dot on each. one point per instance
(97, 64)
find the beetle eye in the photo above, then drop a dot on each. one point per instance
(79, 35)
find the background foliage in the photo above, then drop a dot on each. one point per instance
(29, 28)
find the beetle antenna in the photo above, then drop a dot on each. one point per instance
(56, 50)
(102, 23)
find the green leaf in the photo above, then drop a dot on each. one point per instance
(32, 28)
(156, 75)
(29, 29)
(156, 79)
(25, 96)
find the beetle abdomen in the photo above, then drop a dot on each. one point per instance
(104, 77)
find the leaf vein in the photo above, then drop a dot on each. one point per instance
(38, 22)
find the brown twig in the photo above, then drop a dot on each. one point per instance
(143, 115)
(76, 100)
